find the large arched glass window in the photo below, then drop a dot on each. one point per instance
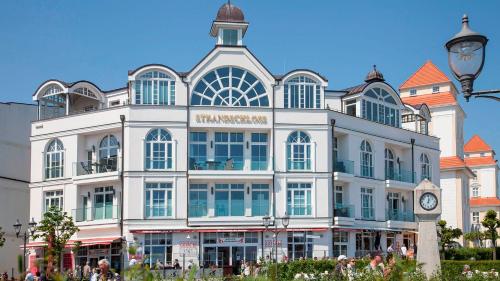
(302, 92)
(298, 151)
(54, 160)
(366, 159)
(108, 152)
(380, 106)
(159, 150)
(230, 86)
(154, 87)
(390, 170)
(425, 167)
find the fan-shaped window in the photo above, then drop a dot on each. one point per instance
(389, 164)
(86, 92)
(159, 150)
(425, 167)
(298, 151)
(302, 92)
(230, 86)
(154, 87)
(380, 106)
(54, 160)
(366, 159)
(108, 153)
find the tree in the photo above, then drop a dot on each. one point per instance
(56, 228)
(475, 236)
(447, 235)
(491, 223)
(2, 239)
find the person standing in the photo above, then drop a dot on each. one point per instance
(374, 264)
(404, 251)
(86, 271)
(340, 268)
(351, 269)
(390, 249)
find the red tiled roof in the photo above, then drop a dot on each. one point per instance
(476, 144)
(427, 74)
(484, 201)
(480, 161)
(432, 100)
(451, 162)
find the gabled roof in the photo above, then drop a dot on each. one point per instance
(432, 100)
(476, 144)
(427, 74)
(484, 201)
(451, 162)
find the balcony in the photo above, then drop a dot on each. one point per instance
(344, 166)
(105, 165)
(343, 214)
(397, 215)
(401, 175)
(109, 212)
(216, 165)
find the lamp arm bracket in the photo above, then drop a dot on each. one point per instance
(486, 94)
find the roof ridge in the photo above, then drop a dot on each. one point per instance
(427, 64)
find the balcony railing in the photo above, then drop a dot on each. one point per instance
(96, 213)
(216, 165)
(257, 165)
(103, 166)
(397, 215)
(344, 210)
(367, 213)
(344, 166)
(401, 175)
(197, 211)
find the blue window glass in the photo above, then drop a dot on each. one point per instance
(159, 150)
(54, 160)
(230, 86)
(259, 151)
(299, 202)
(198, 200)
(366, 159)
(158, 200)
(229, 150)
(230, 37)
(197, 150)
(302, 92)
(229, 200)
(260, 199)
(298, 151)
(154, 87)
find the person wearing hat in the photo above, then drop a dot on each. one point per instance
(341, 267)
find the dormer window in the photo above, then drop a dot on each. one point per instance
(229, 37)
(413, 92)
(435, 89)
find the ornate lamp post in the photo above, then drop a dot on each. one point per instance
(27, 232)
(285, 221)
(466, 53)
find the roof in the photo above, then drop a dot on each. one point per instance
(230, 13)
(480, 161)
(427, 74)
(451, 162)
(355, 89)
(484, 201)
(476, 144)
(432, 100)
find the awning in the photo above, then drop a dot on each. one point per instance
(70, 243)
(209, 230)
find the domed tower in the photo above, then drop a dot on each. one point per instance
(374, 75)
(229, 27)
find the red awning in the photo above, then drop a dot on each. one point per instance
(148, 231)
(84, 242)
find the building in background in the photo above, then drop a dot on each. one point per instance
(430, 88)
(204, 155)
(15, 123)
(485, 194)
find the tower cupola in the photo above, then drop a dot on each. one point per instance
(229, 27)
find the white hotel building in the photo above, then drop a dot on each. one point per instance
(189, 163)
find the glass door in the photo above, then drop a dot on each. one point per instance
(103, 203)
(237, 258)
(393, 205)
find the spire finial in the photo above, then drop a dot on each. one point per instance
(374, 67)
(465, 19)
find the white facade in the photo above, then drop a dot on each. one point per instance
(14, 177)
(202, 165)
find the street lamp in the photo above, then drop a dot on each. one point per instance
(30, 230)
(466, 53)
(285, 220)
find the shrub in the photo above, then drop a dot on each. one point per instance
(470, 253)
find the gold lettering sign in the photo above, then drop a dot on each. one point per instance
(230, 119)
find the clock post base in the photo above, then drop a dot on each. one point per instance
(427, 246)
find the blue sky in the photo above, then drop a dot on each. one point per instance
(101, 40)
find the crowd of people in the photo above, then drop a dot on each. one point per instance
(100, 273)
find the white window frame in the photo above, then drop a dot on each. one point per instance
(302, 85)
(475, 217)
(435, 89)
(367, 193)
(366, 159)
(340, 241)
(303, 141)
(54, 149)
(157, 77)
(150, 159)
(168, 191)
(291, 191)
(425, 167)
(53, 198)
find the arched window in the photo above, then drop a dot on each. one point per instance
(54, 160)
(108, 152)
(425, 167)
(379, 106)
(302, 92)
(154, 87)
(298, 151)
(158, 150)
(366, 159)
(230, 86)
(390, 170)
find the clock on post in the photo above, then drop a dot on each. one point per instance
(427, 208)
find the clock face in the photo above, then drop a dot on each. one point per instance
(428, 201)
